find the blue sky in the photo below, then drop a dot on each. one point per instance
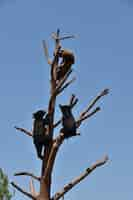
(104, 58)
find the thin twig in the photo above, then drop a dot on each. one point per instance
(67, 37)
(54, 36)
(27, 174)
(57, 123)
(77, 180)
(24, 131)
(66, 85)
(23, 191)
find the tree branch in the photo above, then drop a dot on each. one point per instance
(45, 187)
(46, 52)
(78, 122)
(54, 36)
(27, 174)
(57, 123)
(67, 37)
(93, 102)
(52, 156)
(23, 130)
(23, 191)
(77, 180)
(66, 85)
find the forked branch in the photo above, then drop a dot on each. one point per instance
(93, 102)
(77, 180)
(78, 122)
(72, 98)
(73, 101)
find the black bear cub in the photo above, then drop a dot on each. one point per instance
(40, 135)
(68, 121)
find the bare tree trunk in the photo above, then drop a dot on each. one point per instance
(50, 151)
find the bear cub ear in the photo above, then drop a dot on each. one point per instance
(64, 107)
(39, 114)
(66, 110)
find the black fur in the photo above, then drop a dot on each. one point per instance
(68, 121)
(40, 136)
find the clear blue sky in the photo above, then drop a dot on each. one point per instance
(104, 58)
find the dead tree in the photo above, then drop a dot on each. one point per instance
(50, 152)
